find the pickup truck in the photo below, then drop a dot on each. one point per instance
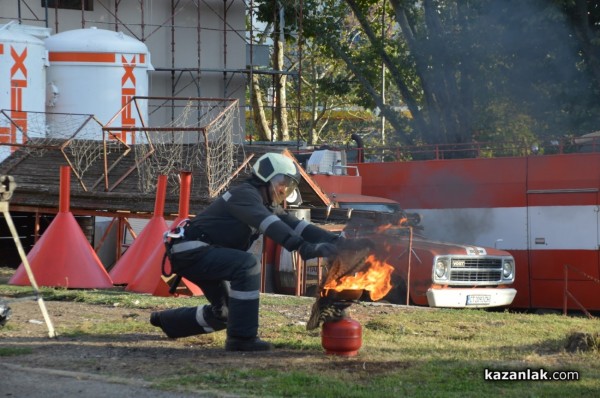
(426, 272)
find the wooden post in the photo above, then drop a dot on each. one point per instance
(15, 235)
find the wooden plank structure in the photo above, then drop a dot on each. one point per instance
(37, 174)
(37, 178)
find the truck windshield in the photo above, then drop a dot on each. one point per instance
(378, 207)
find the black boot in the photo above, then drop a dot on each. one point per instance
(155, 319)
(247, 344)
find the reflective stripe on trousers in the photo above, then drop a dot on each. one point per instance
(244, 300)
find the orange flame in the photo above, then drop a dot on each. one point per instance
(376, 279)
(383, 228)
(402, 222)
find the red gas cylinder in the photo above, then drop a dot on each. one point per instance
(343, 337)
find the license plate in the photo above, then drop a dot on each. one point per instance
(478, 299)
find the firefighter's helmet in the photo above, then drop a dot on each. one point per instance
(270, 164)
(279, 171)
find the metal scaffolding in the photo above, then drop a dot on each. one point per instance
(117, 15)
(186, 68)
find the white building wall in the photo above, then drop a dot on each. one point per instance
(218, 27)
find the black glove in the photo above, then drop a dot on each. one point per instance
(312, 250)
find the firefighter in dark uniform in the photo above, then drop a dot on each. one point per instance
(213, 254)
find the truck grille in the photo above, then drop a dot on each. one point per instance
(476, 270)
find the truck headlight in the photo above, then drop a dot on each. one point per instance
(441, 268)
(508, 268)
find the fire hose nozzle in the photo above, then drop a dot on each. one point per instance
(7, 187)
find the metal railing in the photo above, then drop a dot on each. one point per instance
(478, 150)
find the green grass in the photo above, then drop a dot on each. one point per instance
(12, 351)
(425, 354)
(405, 352)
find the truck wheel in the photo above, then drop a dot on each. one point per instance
(398, 293)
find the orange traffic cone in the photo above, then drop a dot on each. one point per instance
(149, 278)
(147, 241)
(63, 257)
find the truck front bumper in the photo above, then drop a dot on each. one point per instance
(472, 298)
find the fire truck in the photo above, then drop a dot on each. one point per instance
(425, 272)
(543, 209)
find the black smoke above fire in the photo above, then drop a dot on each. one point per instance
(369, 223)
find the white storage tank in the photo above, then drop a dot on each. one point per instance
(23, 62)
(96, 71)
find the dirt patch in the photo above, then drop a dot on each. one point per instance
(149, 354)
(142, 357)
(125, 354)
(120, 364)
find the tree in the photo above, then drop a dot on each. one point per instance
(280, 17)
(261, 126)
(472, 70)
(459, 71)
(322, 104)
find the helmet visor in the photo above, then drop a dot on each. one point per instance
(282, 186)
